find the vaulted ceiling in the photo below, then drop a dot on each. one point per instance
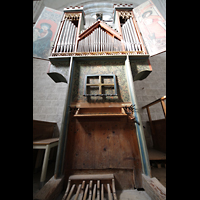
(106, 7)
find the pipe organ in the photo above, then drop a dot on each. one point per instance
(92, 111)
(99, 38)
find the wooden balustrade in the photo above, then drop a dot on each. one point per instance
(161, 100)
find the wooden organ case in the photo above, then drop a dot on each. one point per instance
(100, 132)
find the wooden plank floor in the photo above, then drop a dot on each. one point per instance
(156, 155)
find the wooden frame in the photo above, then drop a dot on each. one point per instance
(161, 100)
(100, 85)
(100, 112)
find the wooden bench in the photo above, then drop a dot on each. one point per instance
(45, 144)
(90, 187)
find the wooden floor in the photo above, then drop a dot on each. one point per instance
(156, 155)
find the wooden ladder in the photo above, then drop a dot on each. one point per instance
(90, 187)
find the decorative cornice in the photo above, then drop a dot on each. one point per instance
(72, 16)
(98, 53)
(125, 14)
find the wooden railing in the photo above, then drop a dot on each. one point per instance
(161, 100)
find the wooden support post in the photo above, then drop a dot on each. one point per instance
(39, 159)
(44, 166)
(150, 121)
(163, 107)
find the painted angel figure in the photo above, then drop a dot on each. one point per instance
(155, 28)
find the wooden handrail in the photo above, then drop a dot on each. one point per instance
(161, 100)
(154, 102)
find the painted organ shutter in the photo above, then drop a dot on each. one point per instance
(44, 32)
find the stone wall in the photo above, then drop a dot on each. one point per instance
(150, 89)
(48, 96)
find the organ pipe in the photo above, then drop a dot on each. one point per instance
(130, 36)
(97, 41)
(67, 39)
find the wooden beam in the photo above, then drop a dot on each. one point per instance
(116, 34)
(89, 30)
(99, 105)
(154, 102)
(91, 177)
